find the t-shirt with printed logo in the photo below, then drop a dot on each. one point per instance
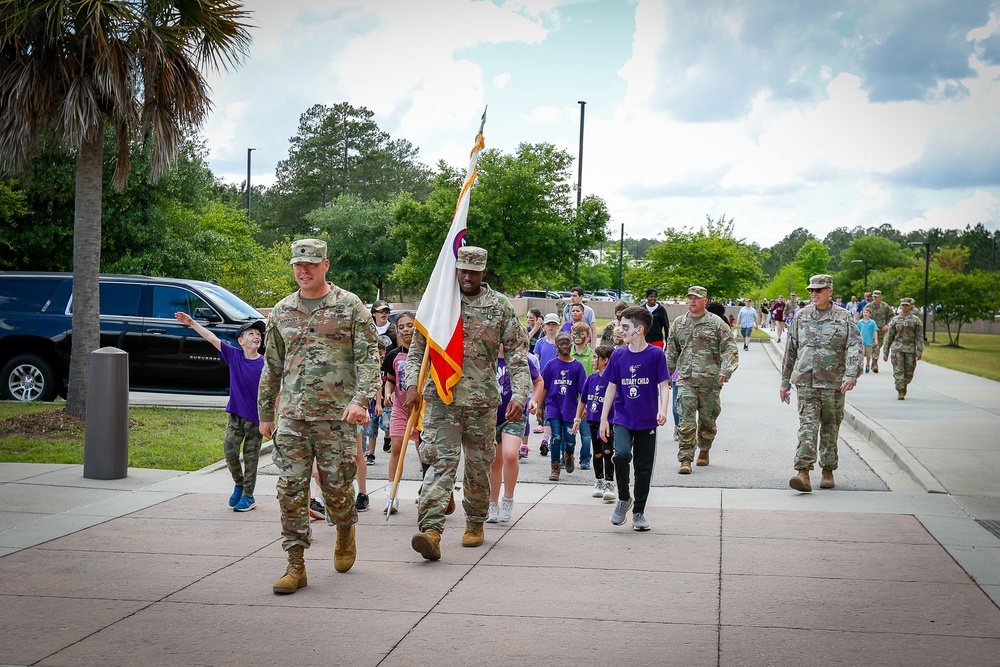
(637, 376)
(594, 391)
(564, 382)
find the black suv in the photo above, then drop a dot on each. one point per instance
(137, 315)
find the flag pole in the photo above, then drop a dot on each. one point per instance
(411, 423)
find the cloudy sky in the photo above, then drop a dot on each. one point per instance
(777, 113)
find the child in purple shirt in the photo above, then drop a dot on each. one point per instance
(590, 409)
(638, 384)
(245, 365)
(563, 379)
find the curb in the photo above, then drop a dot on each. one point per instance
(265, 448)
(879, 437)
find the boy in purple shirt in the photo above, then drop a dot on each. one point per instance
(245, 365)
(590, 409)
(638, 384)
(545, 350)
(563, 379)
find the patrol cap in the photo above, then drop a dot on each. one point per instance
(551, 318)
(877, 292)
(308, 250)
(381, 304)
(820, 281)
(255, 324)
(471, 258)
(698, 291)
(906, 301)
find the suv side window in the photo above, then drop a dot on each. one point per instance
(169, 300)
(26, 295)
(120, 299)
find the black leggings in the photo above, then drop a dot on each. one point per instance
(638, 446)
(602, 464)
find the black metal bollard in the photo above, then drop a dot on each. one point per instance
(105, 450)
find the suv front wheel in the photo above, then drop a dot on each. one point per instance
(28, 377)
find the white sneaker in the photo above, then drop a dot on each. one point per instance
(598, 489)
(609, 491)
(493, 513)
(506, 508)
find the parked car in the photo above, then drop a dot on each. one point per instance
(537, 294)
(137, 316)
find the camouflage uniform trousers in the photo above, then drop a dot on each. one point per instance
(240, 431)
(697, 410)
(820, 414)
(448, 431)
(333, 445)
(903, 365)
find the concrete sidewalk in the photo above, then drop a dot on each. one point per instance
(156, 568)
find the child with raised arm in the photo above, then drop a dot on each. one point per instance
(563, 379)
(589, 411)
(638, 385)
(245, 365)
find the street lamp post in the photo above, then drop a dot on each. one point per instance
(927, 275)
(579, 184)
(249, 150)
(621, 253)
(865, 262)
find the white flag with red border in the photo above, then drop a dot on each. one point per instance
(439, 316)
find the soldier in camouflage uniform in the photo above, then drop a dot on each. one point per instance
(322, 354)
(701, 348)
(469, 423)
(823, 358)
(905, 339)
(881, 313)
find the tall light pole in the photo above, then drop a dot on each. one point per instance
(927, 275)
(621, 253)
(865, 262)
(249, 150)
(579, 184)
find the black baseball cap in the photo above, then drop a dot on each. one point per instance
(255, 324)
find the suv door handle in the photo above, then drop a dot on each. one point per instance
(156, 331)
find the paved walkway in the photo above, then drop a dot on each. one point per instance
(155, 568)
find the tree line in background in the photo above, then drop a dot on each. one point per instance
(385, 214)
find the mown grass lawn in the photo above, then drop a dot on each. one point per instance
(165, 438)
(979, 354)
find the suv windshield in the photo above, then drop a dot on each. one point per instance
(234, 307)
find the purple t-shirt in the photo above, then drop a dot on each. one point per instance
(564, 382)
(593, 393)
(244, 378)
(637, 376)
(545, 351)
(503, 383)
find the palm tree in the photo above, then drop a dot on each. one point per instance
(72, 68)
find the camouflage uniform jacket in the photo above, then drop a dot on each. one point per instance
(881, 313)
(701, 352)
(905, 334)
(822, 350)
(487, 321)
(321, 360)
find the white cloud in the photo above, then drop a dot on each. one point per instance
(981, 207)
(501, 80)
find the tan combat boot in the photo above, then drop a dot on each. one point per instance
(295, 573)
(473, 536)
(554, 475)
(801, 482)
(827, 481)
(900, 395)
(427, 543)
(685, 468)
(346, 551)
(702, 457)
